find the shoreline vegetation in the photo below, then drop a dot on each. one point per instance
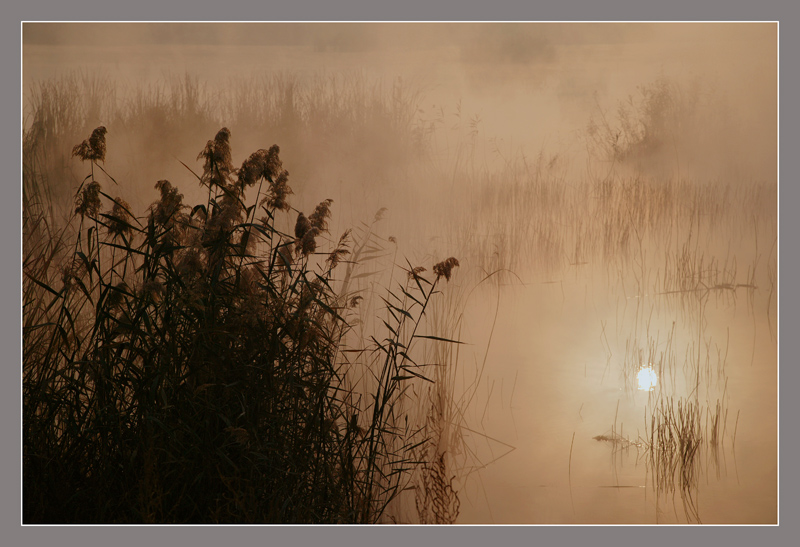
(195, 361)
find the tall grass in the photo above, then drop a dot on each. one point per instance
(187, 366)
(332, 127)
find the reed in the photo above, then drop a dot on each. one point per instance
(185, 366)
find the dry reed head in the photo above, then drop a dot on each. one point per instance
(301, 227)
(252, 169)
(225, 214)
(119, 219)
(340, 251)
(217, 162)
(273, 165)
(222, 149)
(445, 268)
(319, 218)
(261, 164)
(207, 154)
(414, 273)
(279, 192)
(308, 243)
(170, 204)
(88, 201)
(306, 229)
(93, 148)
(336, 256)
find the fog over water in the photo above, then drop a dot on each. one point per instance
(618, 182)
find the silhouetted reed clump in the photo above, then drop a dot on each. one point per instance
(186, 366)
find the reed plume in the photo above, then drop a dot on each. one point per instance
(93, 148)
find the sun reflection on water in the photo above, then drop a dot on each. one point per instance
(647, 378)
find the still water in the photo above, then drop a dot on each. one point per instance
(556, 366)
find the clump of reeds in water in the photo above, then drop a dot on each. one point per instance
(676, 440)
(674, 444)
(184, 366)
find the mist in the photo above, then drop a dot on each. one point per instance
(609, 192)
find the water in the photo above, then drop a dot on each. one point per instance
(566, 352)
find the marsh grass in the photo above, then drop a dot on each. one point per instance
(188, 366)
(538, 215)
(332, 126)
(675, 440)
(679, 435)
(681, 432)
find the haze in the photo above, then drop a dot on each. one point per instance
(615, 183)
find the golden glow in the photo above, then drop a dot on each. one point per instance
(647, 379)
